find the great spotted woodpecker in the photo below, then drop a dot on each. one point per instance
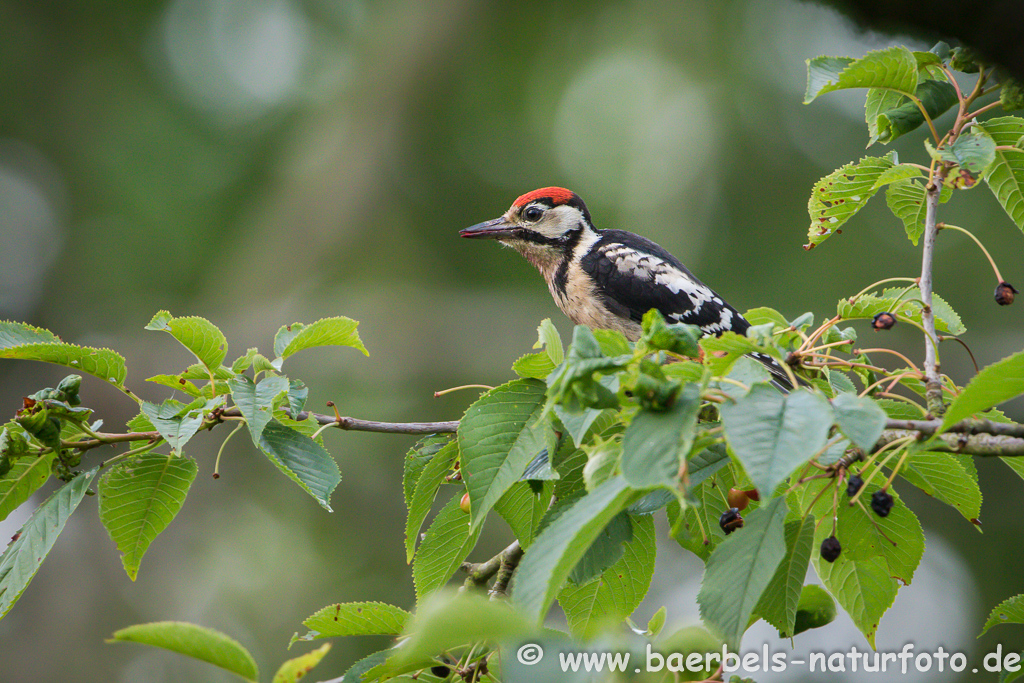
(609, 278)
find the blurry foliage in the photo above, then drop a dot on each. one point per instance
(336, 181)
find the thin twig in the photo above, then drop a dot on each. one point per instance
(991, 261)
(356, 425)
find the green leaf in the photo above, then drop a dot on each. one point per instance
(876, 553)
(417, 458)
(860, 419)
(573, 382)
(936, 97)
(657, 622)
(14, 334)
(445, 621)
(620, 588)
(295, 669)
(201, 372)
(298, 392)
(893, 68)
(356, 619)
(995, 384)
(1009, 611)
(973, 152)
(27, 474)
(868, 305)
(337, 331)
(722, 352)
(906, 200)
(430, 478)
(772, 434)
(302, 460)
(498, 437)
(816, 609)
(177, 383)
(549, 339)
(862, 586)
(707, 462)
(178, 429)
(256, 401)
(740, 569)
(839, 195)
(778, 603)
(446, 544)
(1007, 676)
(1005, 176)
(944, 476)
(197, 642)
(578, 422)
(656, 442)
(533, 365)
(897, 539)
(26, 342)
(356, 672)
(877, 102)
(21, 559)
(198, 335)
(243, 363)
(612, 342)
(1015, 464)
(696, 527)
(523, 509)
(559, 547)
(604, 551)
(895, 174)
(139, 498)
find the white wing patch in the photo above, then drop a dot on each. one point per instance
(649, 267)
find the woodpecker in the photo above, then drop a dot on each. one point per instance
(609, 278)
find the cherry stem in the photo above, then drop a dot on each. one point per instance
(945, 226)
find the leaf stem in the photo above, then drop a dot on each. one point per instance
(992, 262)
(894, 446)
(924, 112)
(982, 110)
(867, 289)
(464, 386)
(131, 453)
(829, 346)
(216, 463)
(909, 362)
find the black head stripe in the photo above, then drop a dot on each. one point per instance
(568, 244)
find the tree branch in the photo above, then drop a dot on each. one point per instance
(980, 444)
(933, 381)
(356, 425)
(482, 572)
(929, 427)
(509, 561)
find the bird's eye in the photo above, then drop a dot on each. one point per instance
(533, 213)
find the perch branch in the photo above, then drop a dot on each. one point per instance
(482, 572)
(933, 381)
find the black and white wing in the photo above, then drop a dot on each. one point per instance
(633, 275)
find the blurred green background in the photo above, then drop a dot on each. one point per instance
(261, 162)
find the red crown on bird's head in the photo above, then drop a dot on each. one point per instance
(556, 196)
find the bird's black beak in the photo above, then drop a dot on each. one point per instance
(494, 229)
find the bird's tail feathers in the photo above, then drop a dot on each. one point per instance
(779, 377)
